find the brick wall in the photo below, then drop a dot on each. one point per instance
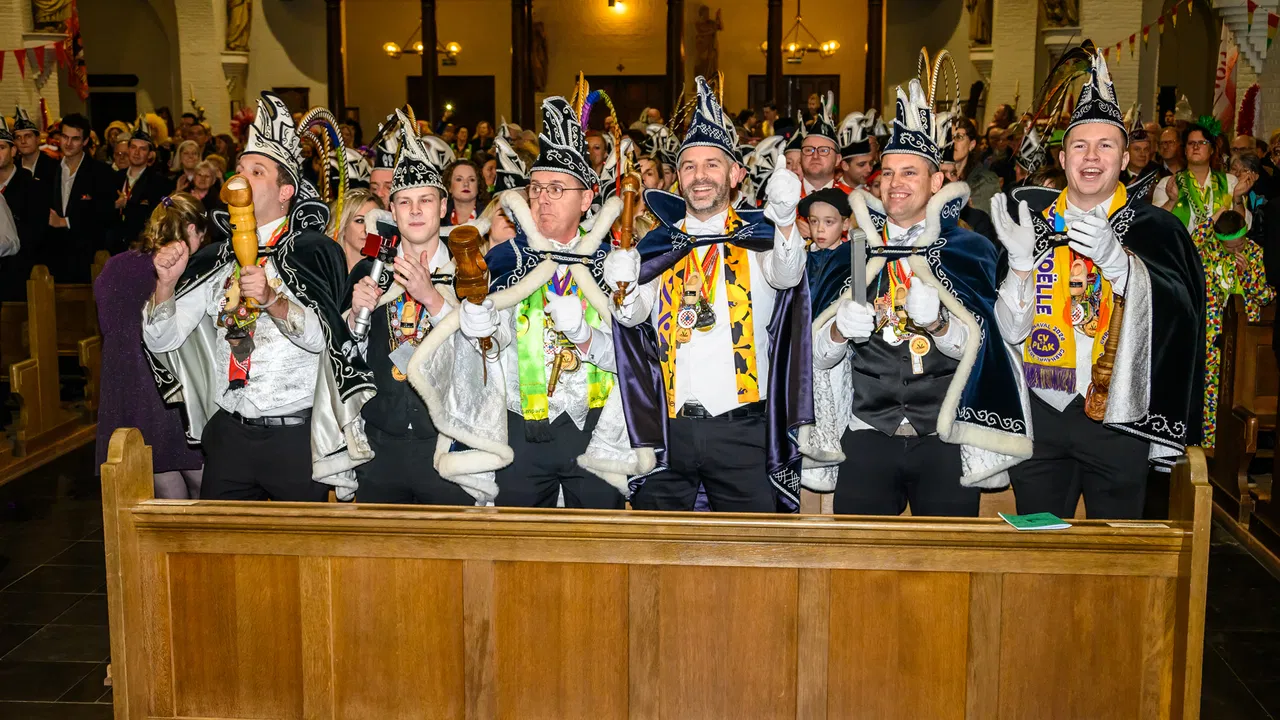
(15, 19)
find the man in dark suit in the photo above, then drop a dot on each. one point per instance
(80, 212)
(26, 137)
(30, 208)
(139, 188)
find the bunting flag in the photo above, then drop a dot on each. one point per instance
(1189, 8)
(21, 56)
(1160, 25)
(1173, 14)
(35, 60)
(1133, 43)
(1273, 21)
(2, 65)
(1106, 53)
(1250, 6)
(1146, 35)
(1119, 47)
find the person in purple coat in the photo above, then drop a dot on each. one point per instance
(129, 397)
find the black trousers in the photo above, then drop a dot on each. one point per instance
(882, 474)
(542, 469)
(726, 456)
(1075, 455)
(247, 462)
(403, 472)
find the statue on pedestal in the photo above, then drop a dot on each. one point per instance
(239, 17)
(706, 59)
(1061, 13)
(979, 21)
(50, 15)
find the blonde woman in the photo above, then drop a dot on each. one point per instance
(131, 399)
(495, 224)
(351, 231)
(184, 167)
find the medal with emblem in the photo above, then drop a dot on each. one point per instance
(687, 315)
(919, 346)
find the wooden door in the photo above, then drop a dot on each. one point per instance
(470, 95)
(797, 89)
(630, 94)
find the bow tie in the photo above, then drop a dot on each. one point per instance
(909, 237)
(1073, 214)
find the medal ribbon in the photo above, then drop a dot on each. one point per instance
(532, 359)
(237, 372)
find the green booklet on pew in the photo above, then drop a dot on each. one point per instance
(1036, 521)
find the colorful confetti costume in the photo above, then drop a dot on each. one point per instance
(1224, 278)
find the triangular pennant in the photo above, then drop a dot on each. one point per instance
(1189, 8)
(31, 59)
(1133, 43)
(60, 52)
(1118, 47)
(39, 53)
(1250, 6)
(1160, 25)
(46, 69)
(1173, 14)
(1146, 35)
(1, 66)
(1106, 53)
(21, 56)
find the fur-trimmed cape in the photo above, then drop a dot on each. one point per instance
(985, 409)
(448, 371)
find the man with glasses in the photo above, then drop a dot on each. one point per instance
(820, 160)
(80, 208)
(526, 385)
(1204, 190)
(713, 331)
(1170, 149)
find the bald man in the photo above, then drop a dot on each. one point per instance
(1170, 149)
(1245, 144)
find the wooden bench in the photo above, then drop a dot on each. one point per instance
(1247, 393)
(33, 380)
(284, 610)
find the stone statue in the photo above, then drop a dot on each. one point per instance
(539, 57)
(979, 21)
(50, 15)
(1061, 13)
(706, 59)
(239, 17)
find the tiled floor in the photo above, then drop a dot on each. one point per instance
(53, 608)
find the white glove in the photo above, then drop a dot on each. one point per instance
(783, 196)
(923, 304)
(622, 266)
(565, 312)
(1018, 237)
(855, 321)
(477, 321)
(1092, 237)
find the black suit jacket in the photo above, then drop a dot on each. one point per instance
(150, 188)
(30, 207)
(89, 209)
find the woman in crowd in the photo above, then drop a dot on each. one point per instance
(224, 145)
(351, 230)
(462, 143)
(1232, 266)
(466, 196)
(130, 397)
(1204, 190)
(483, 140)
(207, 186)
(501, 229)
(188, 157)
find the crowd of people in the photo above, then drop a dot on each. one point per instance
(904, 312)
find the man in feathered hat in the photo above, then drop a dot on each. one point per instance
(820, 153)
(139, 188)
(712, 334)
(933, 409)
(410, 299)
(527, 387)
(1086, 262)
(511, 172)
(260, 355)
(26, 135)
(855, 148)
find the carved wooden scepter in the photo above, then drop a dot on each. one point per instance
(626, 225)
(1095, 402)
(471, 278)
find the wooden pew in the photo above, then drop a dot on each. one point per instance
(1247, 392)
(34, 380)
(78, 333)
(222, 610)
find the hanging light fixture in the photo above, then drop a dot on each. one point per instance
(448, 52)
(799, 41)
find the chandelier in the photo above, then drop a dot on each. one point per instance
(799, 41)
(448, 52)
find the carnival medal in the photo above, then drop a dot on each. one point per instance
(919, 346)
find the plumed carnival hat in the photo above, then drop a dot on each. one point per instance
(22, 121)
(504, 131)
(662, 145)
(562, 144)
(942, 135)
(823, 124)
(913, 127)
(710, 125)
(1133, 124)
(761, 163)
(1097, 103)
(437, 150)
(6, 135)
(796, 139)
(854, 136)
(512, 172)
(142, 131)
(358, 168)
(275, 135)
(386, 144)
(415, 167)
(1032, 154)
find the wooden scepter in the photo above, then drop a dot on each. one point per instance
(471, 278)
(1095, 401)
(238, 196)
(630, 188)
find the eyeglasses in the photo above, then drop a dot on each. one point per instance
(819, 151)
(1198, 143)
(554, 192)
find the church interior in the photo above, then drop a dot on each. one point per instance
(116, 604)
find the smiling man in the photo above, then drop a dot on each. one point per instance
(711, 333)
(931, 411)
(1077, 259)
(273, 388)
(139, 188)
(820, 161)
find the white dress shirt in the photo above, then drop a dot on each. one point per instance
(286, 356)
(1015, 315)
(705, 371)
(68, 179)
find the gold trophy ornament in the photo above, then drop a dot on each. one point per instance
(238, 196)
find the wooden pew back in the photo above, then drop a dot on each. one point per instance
(34, 380)
(1247, 393)
(283, 610)
(14, 346)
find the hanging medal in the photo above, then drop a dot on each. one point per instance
(919, 346)
(706, 318)
(687, 315)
